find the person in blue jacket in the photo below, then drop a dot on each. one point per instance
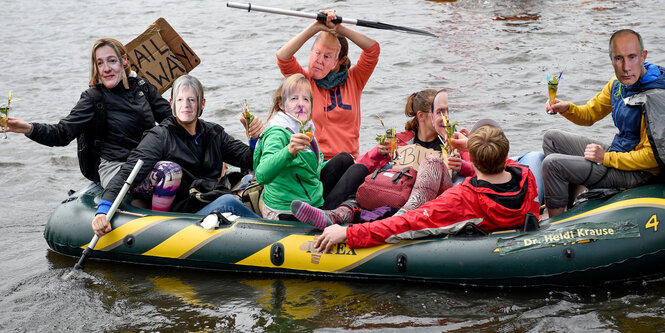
(629, 161)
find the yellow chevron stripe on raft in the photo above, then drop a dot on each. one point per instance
(297, 255)
(639, 202)
(185, 242)
(114, 238)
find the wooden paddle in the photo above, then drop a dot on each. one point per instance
(322, 17)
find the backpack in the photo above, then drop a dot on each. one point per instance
(390, 187)
(652, 102)
(89, 142)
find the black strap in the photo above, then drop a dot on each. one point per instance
(100, 115)
(589, 175)
(100, 111)
(401, 173)
(144, 87)
(654, 148)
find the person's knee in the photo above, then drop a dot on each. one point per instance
(551, 134)
(534, 156)
(547, 164)
(346, 159)
(548, 140)
(358, 170)
(433, 161)
(169, 169)
(226, 199)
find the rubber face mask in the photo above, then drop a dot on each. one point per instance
(322, 60)
(185, 105)
(299, 104)
(440, 109)
(627, 60)
(110, 68)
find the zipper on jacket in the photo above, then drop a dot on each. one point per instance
(303, 188)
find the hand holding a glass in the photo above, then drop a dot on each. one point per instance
(553, 105)
(455, 161)
(253, 125)
(450, 131)
(299, 142)
(387, 141)
(308, 132)
(4, 116)
(11, 124)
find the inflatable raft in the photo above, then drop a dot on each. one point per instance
(597, 241)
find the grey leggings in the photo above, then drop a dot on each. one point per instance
(564, 164)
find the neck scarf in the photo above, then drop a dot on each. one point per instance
(333, 80)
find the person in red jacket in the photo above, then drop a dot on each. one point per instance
(498, 198)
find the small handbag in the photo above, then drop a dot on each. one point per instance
(390, 187)
(251, 196)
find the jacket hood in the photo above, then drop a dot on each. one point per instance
(653, 78)
(283, 120)
(506, 204)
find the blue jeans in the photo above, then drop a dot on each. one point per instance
(534, 160)
(228, 203)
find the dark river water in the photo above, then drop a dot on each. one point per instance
(492, 57)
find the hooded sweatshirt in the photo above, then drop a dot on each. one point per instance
(491, 207)
(287, 177)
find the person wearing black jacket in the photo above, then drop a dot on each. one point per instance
(199, 147)
(129, 111)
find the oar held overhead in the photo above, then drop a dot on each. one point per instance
(322, 17)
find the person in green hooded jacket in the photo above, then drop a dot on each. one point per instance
(288, 159)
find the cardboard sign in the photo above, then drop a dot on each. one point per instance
(160, 55)
(412, 155)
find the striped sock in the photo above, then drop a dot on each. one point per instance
(304, 212)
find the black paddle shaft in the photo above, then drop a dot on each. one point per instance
(376, 25)
(84, 257)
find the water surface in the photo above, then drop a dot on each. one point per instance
(491, 56)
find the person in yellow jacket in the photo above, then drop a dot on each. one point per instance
(629, 160)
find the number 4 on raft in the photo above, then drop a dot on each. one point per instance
(652, 223)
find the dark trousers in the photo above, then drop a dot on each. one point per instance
(341, 179)
(565, 164)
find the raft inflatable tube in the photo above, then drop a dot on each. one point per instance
(596, 242)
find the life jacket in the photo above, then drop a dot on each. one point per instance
(652, 105)
(627, 118)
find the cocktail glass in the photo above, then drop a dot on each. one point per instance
(310, 135)
(393, 148)
(551, 89)
(4, 114)
(245, 113)
(552, 86)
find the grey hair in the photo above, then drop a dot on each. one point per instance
(191, 82)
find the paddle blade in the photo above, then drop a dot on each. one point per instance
(386, 26)
(84, 257)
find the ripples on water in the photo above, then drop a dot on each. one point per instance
(491, 56)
